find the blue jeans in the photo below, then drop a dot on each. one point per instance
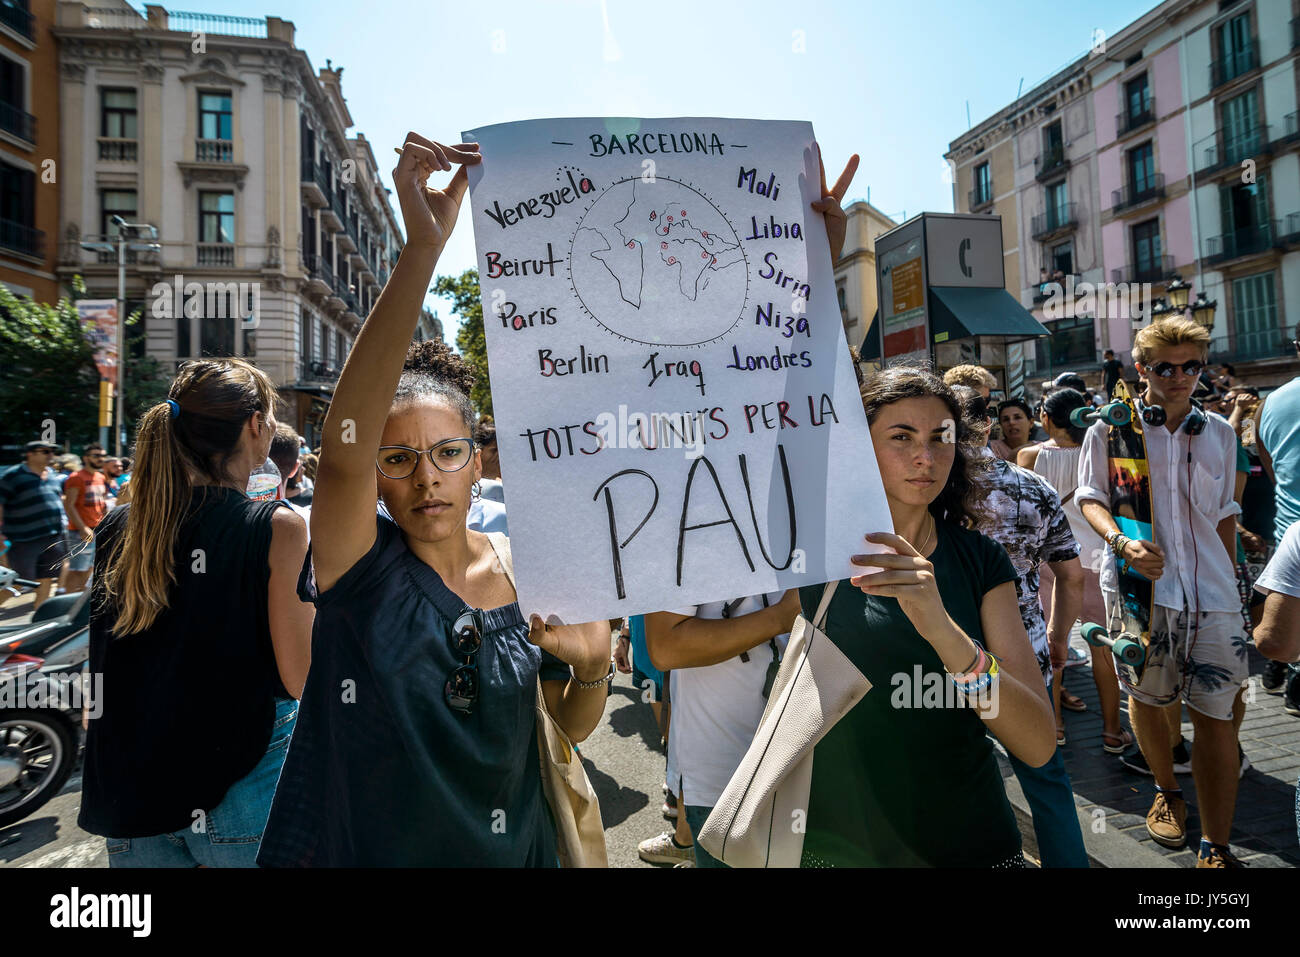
(695, 818)
(1051, 802)
(229, 834)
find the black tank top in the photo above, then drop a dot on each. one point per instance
(188, 704)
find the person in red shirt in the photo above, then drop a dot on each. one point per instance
(85, 498)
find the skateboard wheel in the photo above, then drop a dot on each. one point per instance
(1129, 652)
(1093, 634)
(1117, 413)
(1082, 417)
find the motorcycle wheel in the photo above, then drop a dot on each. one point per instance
(37, 753)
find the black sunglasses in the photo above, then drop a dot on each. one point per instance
(1166, 369)
(461, 689)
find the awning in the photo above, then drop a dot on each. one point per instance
(870, 348)
(957, 312)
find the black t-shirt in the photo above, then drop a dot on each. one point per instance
(1110, 370)
(187, 704)
(899, 782)
(381, 772)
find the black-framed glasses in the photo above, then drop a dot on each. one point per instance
(400, 461)
(1166, 369)
(461, 690)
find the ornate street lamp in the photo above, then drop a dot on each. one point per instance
(1203, 312)
(1161, 309)
(1178, 292)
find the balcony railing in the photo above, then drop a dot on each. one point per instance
(1155, 269)
(980, 197)
(1231, 149)
(1136, 194)
(1290, 128)
(1228, 68)
(1128, 121)
(108, 257)
(118, 150)
(317, 372)
(1056, 219)
(20, 238)
(17, 18)
(1050, 163)
(1288, 233)
(1056, 287)
(18, 122)
(215, 23)
(214, 151)
(319, 269)
(113, 18)
(1261, 344)
(1249, 241)
(216, 254)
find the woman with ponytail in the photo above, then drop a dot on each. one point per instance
(1057, 460)
(417, 741)
(197, 632)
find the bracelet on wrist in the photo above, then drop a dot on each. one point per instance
(598, 683)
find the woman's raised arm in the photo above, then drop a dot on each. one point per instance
(343, 508)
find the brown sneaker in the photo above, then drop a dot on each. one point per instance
(1167, 820)
(1218, 858)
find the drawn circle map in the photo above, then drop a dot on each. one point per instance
(658, 263)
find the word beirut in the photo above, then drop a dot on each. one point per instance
(207, 300)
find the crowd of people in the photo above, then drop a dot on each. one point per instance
(349, 680)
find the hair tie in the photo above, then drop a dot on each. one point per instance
(174, 406)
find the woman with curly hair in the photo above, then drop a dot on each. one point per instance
(416, 742)
(908, 776)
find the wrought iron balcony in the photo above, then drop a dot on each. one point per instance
(1231, 149)
(20, 238)
(15, 15)
(1056, 219)
(1289, 230)
(1228, 68)
(315, 372)
(215, 23)
(117, 150)
(1248, 241)
(980, 197)
(214, 151)
(18, 122)
(1128, 121)
(1154, 269)
(1290, 130)
(1136, 194)
(1050, 163)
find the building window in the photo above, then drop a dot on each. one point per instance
(14, 117)
(1063, 259)
(217, 335)
(17, 210)
(215, 116)
(1147, 259)
(1141, 170)
(1254, 312)
(1070, 343)
(1053, 145)
(1058, 205)
(116, 202)
(1240, 129)
(1243, 212)
(983, 186)
(183, 337)
(842, 297)
(117, 114)
(338, 349)
(216, 217)
(1137, 101)
(1236, 52)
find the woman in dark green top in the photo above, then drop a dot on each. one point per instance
(908, 777)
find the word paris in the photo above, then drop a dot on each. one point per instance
(207, 300)
(695, 287)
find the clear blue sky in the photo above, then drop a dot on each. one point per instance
(888, 80)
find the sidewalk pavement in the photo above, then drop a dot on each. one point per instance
(1114, 801)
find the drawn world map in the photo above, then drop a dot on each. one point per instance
(658, 263)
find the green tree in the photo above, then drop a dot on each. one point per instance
(146, 381)
(467, 303)
(47, 371)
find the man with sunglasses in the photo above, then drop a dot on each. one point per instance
(31, 516)
(85, 499)
(1197, 651)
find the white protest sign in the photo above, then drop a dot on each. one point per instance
(677, 415)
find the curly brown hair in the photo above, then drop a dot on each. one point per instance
(432, 370)
(899, 382)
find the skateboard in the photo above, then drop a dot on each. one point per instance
(1130, 504)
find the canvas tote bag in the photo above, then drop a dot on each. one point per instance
(759, 819)
(579, 832)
